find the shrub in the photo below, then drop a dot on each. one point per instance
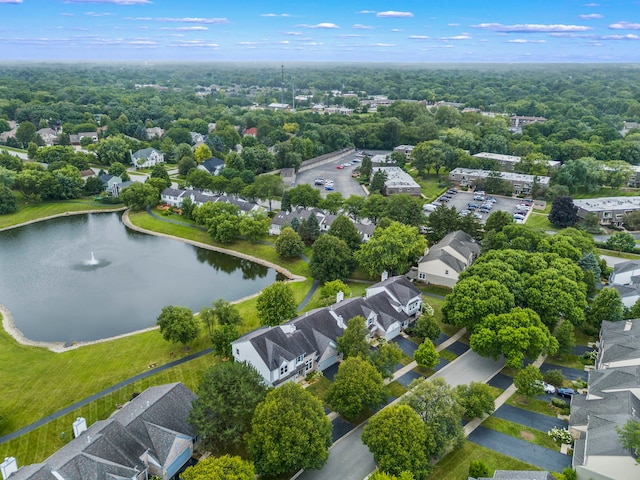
(554, 377)
(477, 468)
(589, 358)
(579, 384)
(560, 435)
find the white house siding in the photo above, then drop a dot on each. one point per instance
(438, 273)
(608, 468)
(630, 301)
(329, 358)
(244, 352)
(392, 332)
(624, 278)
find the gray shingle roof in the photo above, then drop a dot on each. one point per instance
(144, 153)
(612, 403)
(400, 287)
(602, 437)
(627, 266)
(212, 164)
(522, 475)
(619, 378)
(445, 257)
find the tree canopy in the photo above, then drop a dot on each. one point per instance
(177, 324)
(276, 304)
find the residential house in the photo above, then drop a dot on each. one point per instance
(48, 135)
(519, 121)
(278, 106)
(629, 294)
(110, 181)
(625, 278)
(252, 132)
(146, 158)
(610, 210)
(284, 218)
(406, 150)
(154, 132)
(520, 182)
(288, 352)
(197, 138)
(509, 162)
(612, 399)
(398, 181)
(447, 259)
(175, 197)
(212, 165)
(150, 435)
(75, 138)
(87, 174)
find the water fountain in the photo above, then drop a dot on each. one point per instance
(93, 260)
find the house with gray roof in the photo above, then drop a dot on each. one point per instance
(150, 435)
(147, 158)
(175, 197)
(288, 352)
(612, 399)
(625, 273)
(447, 259)
(212, 166)
(283, 218)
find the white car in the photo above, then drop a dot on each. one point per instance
(347, 164)
(548, 388)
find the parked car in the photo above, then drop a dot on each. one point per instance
(480, 192)
(464, 213)
(318, 181)
(566, 392)
(429, 207)
(491, 199)
(473, 205)
(518, 216)
(339, 167)
(484, 209)
(329, 187)
(346, 164)
(479, 198)
(548, 388)
(452, 191)
(478, 215)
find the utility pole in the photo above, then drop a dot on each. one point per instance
(282, 85)
(293, 93)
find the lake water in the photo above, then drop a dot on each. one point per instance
(57, 293)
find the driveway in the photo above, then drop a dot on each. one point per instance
(458, 348)
(501, 381)
(340, 428)
(544, 423)
(569, 373)
(406, 345)
(469, 367)
(461, 200)
(408, 377)
(514, 447)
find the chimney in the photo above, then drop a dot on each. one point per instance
(8, 467)
(339, 296)
(628, 325)
(385, 275)
(79, 426)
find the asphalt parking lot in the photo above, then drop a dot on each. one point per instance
(462, 199)
(343, 182)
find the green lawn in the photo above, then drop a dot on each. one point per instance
(530, 435)
(320, 389)
(429, 184)
(455, 466)
(540, 221)
(566, 360)
(447, 355)
(532, 404)
(612, 253)
(11, 149)
(396, 389)
(28, 211)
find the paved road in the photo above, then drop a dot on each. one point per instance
(514, 447)
(350, 459)
(544, 423)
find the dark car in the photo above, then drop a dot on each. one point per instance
(472, 205)
(566, 392)
(452, 191)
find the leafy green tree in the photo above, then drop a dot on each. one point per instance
(202, 153)
(621, 242)
(138, 196)
(267, 187)
(304, 195)
(478, 469)
(517, 335)
(442, 221)
(439, 408)
(528, 381)
(606, 305)
(309, 229)
(289, 243)
(280, 444)
(393, 249)
(426, 355)
(227, 397)
(377, 182)
(93, 185)
(26, 133)
(563, 212)
(254, 225)
(354, 342)
(225, 313)
(476, 399)
(375, 207)
(344, 229)
(332, 202)
(225, 467)
(366, 167)
(178, 325)
(396, 437)
(405, 209)
(565, 336)
(629, 435)
(7, 200)
(200, 179)
(221, 338)
(427, 327)
(276, 304)
(356, 387)
(632, 220)
(378, 475)
(185, 165)
(386, 357)
(112, 149)
(117, 169)
(331, 259)
(554, 377)
(32, 150)
(354, 206)
(498, 220)
(330, 289)
(158, 171)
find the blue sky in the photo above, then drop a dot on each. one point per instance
(424, 31)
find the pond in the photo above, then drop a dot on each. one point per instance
(87, 277)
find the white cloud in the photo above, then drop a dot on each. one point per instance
(97, 14)
(351, 35)
(392, 14)
(625, 26)
(195, 28)
(628, 36)
(591, 5)
(325, 25)
(531, 27)
(208, 21)
(15, 2)
(66, 14)
(247, 43)
(274, 15)
(590, 16)
(365, 11)
(359, 26)
(521, 40)
(457, 37)
(293, 33)
(113, 2)
(194, 44)
(382, 45)
(453, 25)
(417, 37)
(397, 30)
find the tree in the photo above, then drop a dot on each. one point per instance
(563, 212)
(267, 187)
(632, 220)
(138, 196)
(393, 249)
(405, 209)
(227, 397)
(396, 437)
(375, 207)
(202, 153)
(158, 171)
(304, 195)
(621, 242)
(289, 243)
(344, 229)
(254, 225)
(112, 149)
(442, 221)
(7, 200)
(225, 467)
(528, 381)
(426, 355)
(26, 133)
(280, 443)
(354, 342)
(177, 324)
(439, 408)
(378, 475)
(476, 399)
(629, 435)
(185, 165)
(427, 327)
(498, 220)
(606, 305)
(565, 336)
(377, 182)
(331, 259)
(386, 357)
(478, 469)
(32, 150)
(332, 202)
(225, 313)
(517, 335)
(197, 178)
(356, 387)
(276, 304)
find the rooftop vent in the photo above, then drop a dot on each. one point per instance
(628, 325)
(79, 426)
(9, 466)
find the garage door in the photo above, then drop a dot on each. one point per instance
(327, 362)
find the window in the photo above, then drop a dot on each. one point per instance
(369, 321)
(300, 359)
(237, 351)
(308, 366)
(284, 369)
(446, 272)
(422, 276)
